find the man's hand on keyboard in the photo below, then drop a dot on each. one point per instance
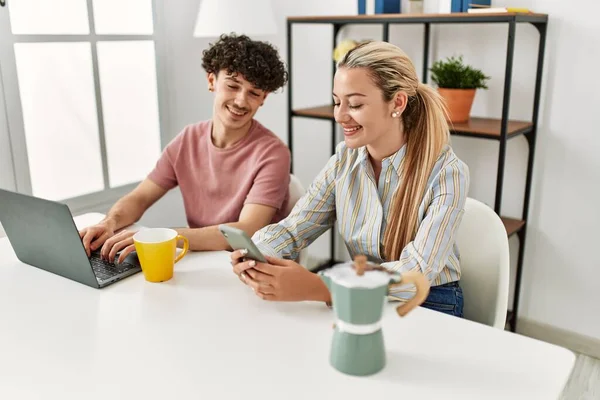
(95, 236)
(123, 242)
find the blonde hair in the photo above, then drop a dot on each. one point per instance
(426, 133)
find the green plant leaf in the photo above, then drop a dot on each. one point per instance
(452, 73)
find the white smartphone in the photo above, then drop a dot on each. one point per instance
(238, 240)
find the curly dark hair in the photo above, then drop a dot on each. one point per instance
(257, 61)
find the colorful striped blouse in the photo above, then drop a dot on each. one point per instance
(346, 191)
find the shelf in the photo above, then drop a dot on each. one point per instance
(482, 128)
(485, 128)
(489, 128)
(321, 112)
(422, 18)
(512, 226)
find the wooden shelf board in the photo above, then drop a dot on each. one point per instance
(324, 112)
(488, 128)
(412, 18)
(512, 225)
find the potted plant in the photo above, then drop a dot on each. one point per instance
(457, 84)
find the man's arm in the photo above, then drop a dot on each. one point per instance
(252, 218)
(131, 207)
(126, 211)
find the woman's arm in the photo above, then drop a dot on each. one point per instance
(285, 280)
(429, 251)
(312, 215)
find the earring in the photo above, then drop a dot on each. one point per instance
(395, 114)
(210, 89)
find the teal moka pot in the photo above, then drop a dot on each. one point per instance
(359, 291)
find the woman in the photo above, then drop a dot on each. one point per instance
(395, 187)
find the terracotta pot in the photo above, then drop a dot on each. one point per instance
(458, 102)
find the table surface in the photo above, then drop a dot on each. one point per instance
(203, 334)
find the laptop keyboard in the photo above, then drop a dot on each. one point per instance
(105, 270)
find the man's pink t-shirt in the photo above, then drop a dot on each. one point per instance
(216, 183)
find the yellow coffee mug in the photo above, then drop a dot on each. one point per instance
(156, 249)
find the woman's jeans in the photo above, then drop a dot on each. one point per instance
(447, 298)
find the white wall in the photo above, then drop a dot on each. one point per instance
(562, 266)
(559, 285)
(559, 267)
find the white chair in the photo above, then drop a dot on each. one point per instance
(296, 192)
(484, 263)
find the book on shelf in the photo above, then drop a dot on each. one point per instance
(466, 4)
(492, 10)
(370, 7)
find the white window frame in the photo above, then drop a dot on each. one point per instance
(14, 112)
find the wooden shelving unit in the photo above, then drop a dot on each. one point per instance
(500, 130)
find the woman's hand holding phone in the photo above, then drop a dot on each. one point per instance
(279, 279)
(238, 258)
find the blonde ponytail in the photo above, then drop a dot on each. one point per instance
(425, 129)
(426, 132)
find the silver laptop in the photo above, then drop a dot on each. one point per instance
(43, 234)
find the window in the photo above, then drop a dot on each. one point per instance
(85, 111)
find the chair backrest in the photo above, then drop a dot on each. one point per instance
(296, 192)
(484, 264)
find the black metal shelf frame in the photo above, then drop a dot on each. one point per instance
(539, 21)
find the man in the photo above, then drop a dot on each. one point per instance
(230, 169)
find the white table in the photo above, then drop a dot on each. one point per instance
(204, 335)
